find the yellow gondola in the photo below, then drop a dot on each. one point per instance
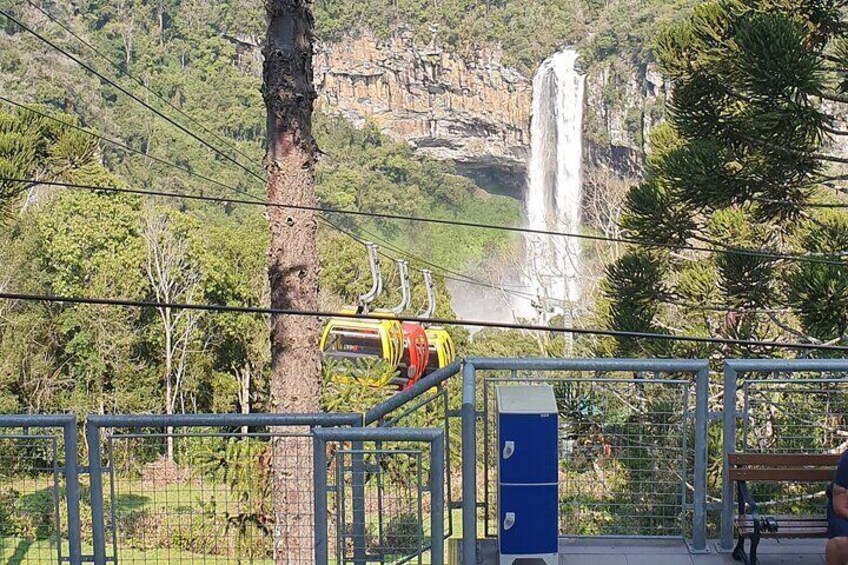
(350, 339)
(442, 350)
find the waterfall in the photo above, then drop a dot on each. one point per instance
(551, 264)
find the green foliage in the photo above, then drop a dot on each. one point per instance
(821, 290)
(367, 172)
(745, 145)
(35, 147)
(527, 31)
(403, 534)
(101, 359)
(636, 285)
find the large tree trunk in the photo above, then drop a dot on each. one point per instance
(292, 265)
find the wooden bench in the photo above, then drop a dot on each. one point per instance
(776, 467)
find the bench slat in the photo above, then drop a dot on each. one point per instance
(801, 474)
(785, 517)
(799, 533)
(784, 459)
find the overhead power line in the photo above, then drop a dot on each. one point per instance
(120, 69)
(443, 271)
(128, 149)
(115, 85)
(413, 319)
(821, 259)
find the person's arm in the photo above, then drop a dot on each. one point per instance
(840, 501)
(840, 488)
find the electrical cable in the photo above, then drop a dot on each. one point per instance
(457, 223)
(138, 81)
(413, 319)
(127, 148)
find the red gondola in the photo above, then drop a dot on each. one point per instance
(416, 353)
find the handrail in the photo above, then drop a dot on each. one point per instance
(432, 380)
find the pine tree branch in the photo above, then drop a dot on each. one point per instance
(832, 97)
(795, 152)
(834, 131)
(792, 331)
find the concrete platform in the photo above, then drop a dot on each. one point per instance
(646, 551)
(674, 552)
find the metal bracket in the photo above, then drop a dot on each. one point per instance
(694, 551)
(715, 415)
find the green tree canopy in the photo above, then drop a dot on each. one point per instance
(748, 146)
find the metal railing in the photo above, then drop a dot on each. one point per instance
(398, 533)
(39, 490)
(774, 400)
(208, 488)
(430, 403)
(675, 480)
(198, 488)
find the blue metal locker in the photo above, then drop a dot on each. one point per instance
(528, 501)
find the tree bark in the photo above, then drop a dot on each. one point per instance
(292, 265)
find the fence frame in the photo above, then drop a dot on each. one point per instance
(68, 424)
(514, 378)
(435, 437)
(733, 368)
(95, 424)
(699, 368)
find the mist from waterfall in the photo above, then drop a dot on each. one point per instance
(553, 199)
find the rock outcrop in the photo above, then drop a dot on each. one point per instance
(475, 111)
(471, 110)
(623, 104)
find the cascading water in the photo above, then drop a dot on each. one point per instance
(551, 264)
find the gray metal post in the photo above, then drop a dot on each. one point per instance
(437, 501)
(729, 430)
(469, 465)
(72, 491)
(95, 471)
(436, 439)
(319, 470)
(699, 518)
(358, 503)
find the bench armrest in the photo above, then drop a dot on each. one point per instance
(745, 496)
(745, 499)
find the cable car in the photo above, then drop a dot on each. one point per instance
(442, 350)
(350, 339)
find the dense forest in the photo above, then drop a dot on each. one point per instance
(57, 240)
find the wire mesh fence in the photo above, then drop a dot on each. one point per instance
(625, 453)
(433, 409)
(796, 415)
(209, 496)
(31, 507)
(385, 492)
(393, 501)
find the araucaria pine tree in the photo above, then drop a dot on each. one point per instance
(752, 146)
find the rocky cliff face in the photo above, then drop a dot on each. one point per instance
(623, 103)
(473, 110)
